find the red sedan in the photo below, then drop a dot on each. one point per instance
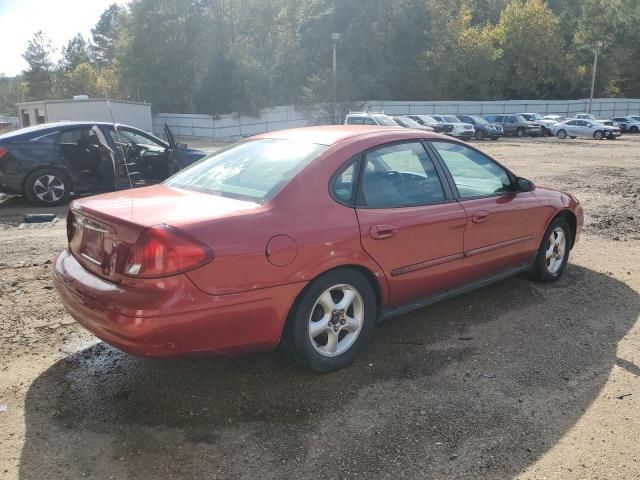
(305, 237)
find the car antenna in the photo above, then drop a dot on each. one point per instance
(115, 127)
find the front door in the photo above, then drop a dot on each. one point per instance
(409, 222)
(501, 222)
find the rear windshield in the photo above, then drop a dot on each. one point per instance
(255, 170)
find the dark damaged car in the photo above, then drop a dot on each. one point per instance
(50, 162)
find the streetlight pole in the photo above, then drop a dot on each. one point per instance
(335, 37)
(593, 74)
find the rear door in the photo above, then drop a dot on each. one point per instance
(501, 223)
(410, 223)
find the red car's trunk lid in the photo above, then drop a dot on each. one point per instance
(102, 229)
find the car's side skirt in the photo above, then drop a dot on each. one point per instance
(392, 312)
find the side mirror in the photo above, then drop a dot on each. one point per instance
(524, 185)
(181, 145)
(589, 125)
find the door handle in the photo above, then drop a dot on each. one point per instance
(480, 216)
(380, 232)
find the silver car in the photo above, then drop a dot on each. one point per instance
(584, 128)
(628, 123)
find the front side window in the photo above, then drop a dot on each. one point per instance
(354, 121)
(400, 175)
(254, 170)
(474, 174)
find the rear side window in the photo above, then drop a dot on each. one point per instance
(400, 175)
(254, 170)
(343, 187)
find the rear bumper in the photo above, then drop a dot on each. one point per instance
(144, 320)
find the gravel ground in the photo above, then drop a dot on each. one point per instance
(516, 380)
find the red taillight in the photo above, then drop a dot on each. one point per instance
(70, 225)
(163, 250)
(2, 152)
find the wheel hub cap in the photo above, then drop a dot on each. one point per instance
(336, 320)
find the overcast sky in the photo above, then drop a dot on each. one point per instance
(58, 19)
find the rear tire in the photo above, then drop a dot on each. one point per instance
(633, 129)
(553, 253)
(47, 187)
(332, 321)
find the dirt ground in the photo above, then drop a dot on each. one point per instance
(516, 380)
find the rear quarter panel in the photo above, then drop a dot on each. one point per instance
(24, 157)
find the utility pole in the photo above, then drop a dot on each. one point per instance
(593, 74)
(335, 37)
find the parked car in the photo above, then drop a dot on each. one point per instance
(429, 121)
(594, 118)
(515, 125)
(369, 118)
(482, 128)
(628, 124)
(635, 117)
(305, 238)
(545, 124)
(454, 127)
(555, 118)
(48, 162)
(407, 122)
(584, 128)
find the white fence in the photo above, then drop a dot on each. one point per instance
(235, 126)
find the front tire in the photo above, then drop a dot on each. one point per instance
(47, 187)
(553, 253)
(633, 129)
(479, 135)
(520, 132)
(597, 135)
(562, 134)
(332, 321)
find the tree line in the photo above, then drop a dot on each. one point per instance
(222, 56)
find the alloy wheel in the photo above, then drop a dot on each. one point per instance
(336, 320)
(556, 249)
(49, 188)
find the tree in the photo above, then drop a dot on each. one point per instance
(75, 53)
(106, 35)
(533, 63)
(38, 75)
(83, 80)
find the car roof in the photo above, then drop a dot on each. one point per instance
(333, 134)
(44, 127)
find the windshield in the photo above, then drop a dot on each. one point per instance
(385, 120)
(537, 116)
(254, 170)
(451, 119)
(427, 119)
(478, 120)
(410, 122)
